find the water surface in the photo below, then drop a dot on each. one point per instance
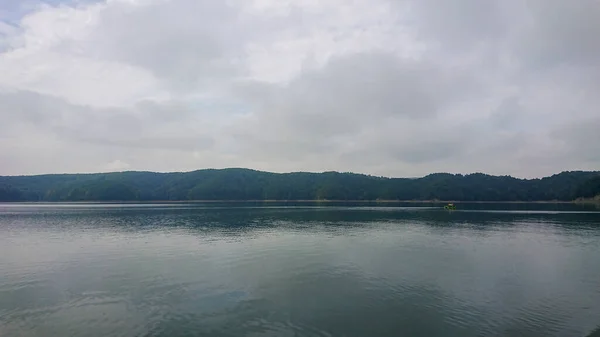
(289, 270)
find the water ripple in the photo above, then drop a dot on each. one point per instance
(163, 270)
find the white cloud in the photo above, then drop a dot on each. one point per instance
(400, 88)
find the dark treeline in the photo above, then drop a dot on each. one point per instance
(244, 184)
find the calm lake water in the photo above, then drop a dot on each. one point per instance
(282, 270)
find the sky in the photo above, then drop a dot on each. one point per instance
(399, 88)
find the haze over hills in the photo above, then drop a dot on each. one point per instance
(247, 184)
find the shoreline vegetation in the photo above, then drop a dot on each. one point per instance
(594, 201)
(245, 185)
(315, 201)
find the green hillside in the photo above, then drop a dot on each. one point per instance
(245, 184)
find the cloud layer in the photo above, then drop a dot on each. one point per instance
(386, 87)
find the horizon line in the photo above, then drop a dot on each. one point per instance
(292, 172)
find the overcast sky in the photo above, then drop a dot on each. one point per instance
(385, 87)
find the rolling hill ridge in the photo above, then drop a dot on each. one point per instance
(246, 184)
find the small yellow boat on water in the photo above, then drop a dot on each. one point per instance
(450, 207)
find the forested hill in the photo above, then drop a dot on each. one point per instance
(245, 184)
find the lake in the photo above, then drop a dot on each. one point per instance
(249, 269)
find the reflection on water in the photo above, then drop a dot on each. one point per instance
(289, 270)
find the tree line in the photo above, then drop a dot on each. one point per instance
(245, 184)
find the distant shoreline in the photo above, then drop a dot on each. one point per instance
(591, 201)
(588, 201)
(245, 185)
